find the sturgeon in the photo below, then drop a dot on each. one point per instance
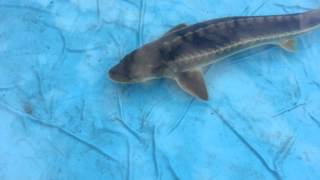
(182, 52)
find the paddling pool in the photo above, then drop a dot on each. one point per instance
(62, 118)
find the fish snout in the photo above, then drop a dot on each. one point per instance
(117, 74)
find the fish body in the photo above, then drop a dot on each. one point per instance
(181, 53)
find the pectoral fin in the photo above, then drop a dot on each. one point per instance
(193, 83)
(288, 45)
(175, 28)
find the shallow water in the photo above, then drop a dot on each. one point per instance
(62, 118)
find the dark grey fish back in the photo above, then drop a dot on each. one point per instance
(218, 33)
(310, 19)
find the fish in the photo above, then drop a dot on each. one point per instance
(184, 51)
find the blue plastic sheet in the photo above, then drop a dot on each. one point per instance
(62, 118)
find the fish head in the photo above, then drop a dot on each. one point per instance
(138, 66)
